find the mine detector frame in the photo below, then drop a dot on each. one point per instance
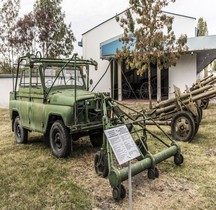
(104, 159)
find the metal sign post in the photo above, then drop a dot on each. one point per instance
(124, 149)
(130, 185)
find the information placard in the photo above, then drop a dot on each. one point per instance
(122, 144)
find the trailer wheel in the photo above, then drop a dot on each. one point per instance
(200, 113)
(101, 164)
(119, 193)
(153, 173)
(21, 134)
(178, 159)
(157, 173)
(183, 126)
(60, 141)
(204, 104)
(198, 119)
(123, 191)
(116, 194)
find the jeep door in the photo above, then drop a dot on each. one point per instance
(23, 98)
(36, 111)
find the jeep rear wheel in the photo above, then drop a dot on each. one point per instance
(60, 141)
(21, 134)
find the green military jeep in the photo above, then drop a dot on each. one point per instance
(51, 96)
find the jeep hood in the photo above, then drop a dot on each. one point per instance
(67, 97)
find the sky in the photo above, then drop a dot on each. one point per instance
(85, 14)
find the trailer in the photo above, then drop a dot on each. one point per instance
(116, 115)
(183, 113)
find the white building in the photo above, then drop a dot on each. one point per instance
(101, 42)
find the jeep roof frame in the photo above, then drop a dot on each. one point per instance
(74, 61)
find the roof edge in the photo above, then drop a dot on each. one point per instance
(104, 22)
(125, 11)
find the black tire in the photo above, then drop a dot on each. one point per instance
(96, 139)
(204, 104)
(21, 134)
(60, 141)
(198, 119)
(151, 173)
(157, 173)
(183, 126)
(119, 193)
(101, 164)
(116, 194)
(178, 159)
(200, 113)
(196, 129)
(123, 191)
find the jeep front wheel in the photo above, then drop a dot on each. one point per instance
(60, 141)
(21, 134)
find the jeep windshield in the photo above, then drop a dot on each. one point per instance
(69, 77)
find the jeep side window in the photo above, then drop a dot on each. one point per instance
(49, 76)
(36, 81)
(25, 79)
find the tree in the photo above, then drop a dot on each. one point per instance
(4, 67)
(203, 31)
(43, 30)
(24, 36)
(8, 15)
(146, 42)
(54, 36)
(202, 27)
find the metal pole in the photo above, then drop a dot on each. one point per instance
(87, 81)
(75, 90)
(158, 83)
(113, 79)
(119, 81)
(130, 185)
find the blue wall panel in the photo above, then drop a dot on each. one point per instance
(110, 48)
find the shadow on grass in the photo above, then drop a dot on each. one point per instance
(79, 147)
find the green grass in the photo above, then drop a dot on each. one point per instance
(199, 167)
(200, 158)
(32, 178)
